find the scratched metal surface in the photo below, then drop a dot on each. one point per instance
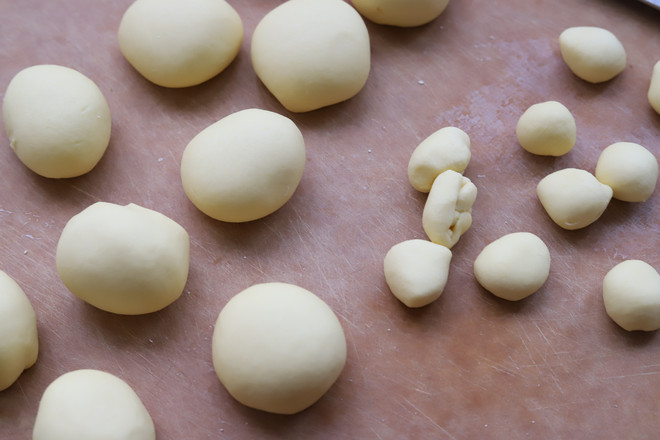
(469, 365)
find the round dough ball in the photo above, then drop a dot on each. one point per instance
(403, 13)
(631, 292)
(245, 166)
(91, 405)
(594, 54)
(547, 129)
(311, 53)
(629, 169)
(180, 43)
(654, 88)
(19, 344)
(513, 266)
(57, 120)
(278, 347)
(123, 259)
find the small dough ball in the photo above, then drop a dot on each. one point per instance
(19, 345)
(91, 405)
(123, 259)
(278, 347)
(593, 54)
(403, 13)
(654, 88)
(180, 43)
(416, 271)
(573, 198)
(447, 212)
(513, 266)
(57, 120)
(629, 169)
(631, 292)
(311, 53)
(446, 149)
(547, 129)
(245, 166)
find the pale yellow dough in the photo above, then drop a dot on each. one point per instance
(629, 169)
(654, 88)
(631, 292)
(278, 347)
(123, 259)
(57, 120)
(416, 271)
(403, 13)
(311, 53)
(514, 266)
(592, 53)
(245, 166)
(547, 129)
(180, 43)
(91, 405)
(19, 344)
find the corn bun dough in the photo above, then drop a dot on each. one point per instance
(629, 169)
(592, 53)
(654, 88)
(403, 13)
(547, 129)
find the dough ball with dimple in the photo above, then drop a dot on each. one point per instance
(654, 88)
(573, 198)
(278, 347)
(631, 292)
(311, 53)
(57, 120)
(91, 405)
(180, 43)
(547, 129)
(592, 53)
(513, 266)
(245, 166)
(123, 259)
(403, 13)
(19, 344)
(629, 169)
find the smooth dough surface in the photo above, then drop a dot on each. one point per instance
(19, 344)
(514, 266)
(91, 405)
(311, 53)
(278, 347)
(547, 129)
(123, 259)
(629, 169)
(403, 13)
(654, 88)
(245, 166)
(592, 53)
(631, 292)
(57, 120)
(180, 43)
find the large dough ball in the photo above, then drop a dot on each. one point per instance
(592, 53)
(629, 169)
(547, 129)
(278, 347)
(245, 166)
(180, 43)
(123, 259)
(91, 405)
(404, 13)
(19, 344)
(57, 120)
(311, 53)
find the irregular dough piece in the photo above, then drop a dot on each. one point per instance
(123, 259)
(629, 169)
(278, 347)
(547, 128)
(19, 344)
(416, 271)
(245, 166)
(403, 13)
(592, 53)
(573, 198)
(513, 266)
(91, 405)
(180, 43)
(57, 120)
(631, 292)
(446, 149)
(311, 53)
(654, 88)
(448, 209)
